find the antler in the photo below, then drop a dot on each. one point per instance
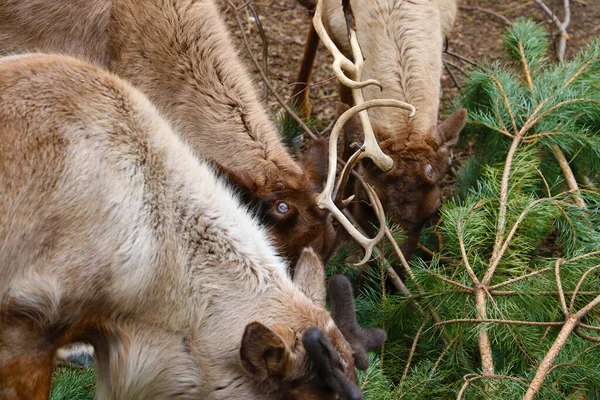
(370, 147)
(325, 359)
(361, 339)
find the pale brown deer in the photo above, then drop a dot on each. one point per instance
(179, 53)
(112, 232)
(402, 43)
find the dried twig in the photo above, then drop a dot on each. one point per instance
(265, 45)
(562, 26)
(412, 350)
(452, 76)
(266, 81)
(501, 17)
(462, 58)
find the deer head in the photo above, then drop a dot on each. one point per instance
(410, 191)
(288, 207)
(297, 361)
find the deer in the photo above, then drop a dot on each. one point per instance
(180, 54)
(114, 232)
(402, 43)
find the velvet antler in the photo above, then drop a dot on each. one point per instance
(361, 339)
(326, 361)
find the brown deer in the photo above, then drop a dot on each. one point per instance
(112, 232)
(402, 43)
(179, 53)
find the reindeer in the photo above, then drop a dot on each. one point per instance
(402, 42)
(179, 53)
(113, 232)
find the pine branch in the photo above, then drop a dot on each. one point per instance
(569, 325)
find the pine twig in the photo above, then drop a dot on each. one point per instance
(472, 377)
(412, 350)
(520, 278)
(572, 303)
(568, 173)
(561, 295)
(568, 326)
(496, 321)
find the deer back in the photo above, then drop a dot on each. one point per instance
(113, 233)
(180, 55)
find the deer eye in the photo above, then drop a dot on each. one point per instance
(429, 170)
(282, 207)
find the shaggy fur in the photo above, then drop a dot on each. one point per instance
(402, 43)
(179, 53)
(113, 233)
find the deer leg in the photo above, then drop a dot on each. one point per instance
(300, 92)
(26, 362)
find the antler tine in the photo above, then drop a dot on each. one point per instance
(341, 298)
(344, 176)
(340, 62)
(371, 147)
(325, 199)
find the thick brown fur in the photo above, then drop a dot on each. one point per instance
(179, 53)
(402, 44)
(113, 233)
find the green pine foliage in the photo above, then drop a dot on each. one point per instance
(73, 384)
(514, 215)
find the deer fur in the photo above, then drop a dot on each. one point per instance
(179, 53)
(402, 43)
(112, 232)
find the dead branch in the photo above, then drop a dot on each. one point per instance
(501, 17)
(452, 76)
(462, 58)
(263, 76)
(265, 46)
(562, 26)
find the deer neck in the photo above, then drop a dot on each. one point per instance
(182, 57)
(402, 43)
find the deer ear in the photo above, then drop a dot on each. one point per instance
(449, 130)
(314, 162)
(309, 276)
(263, 352)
